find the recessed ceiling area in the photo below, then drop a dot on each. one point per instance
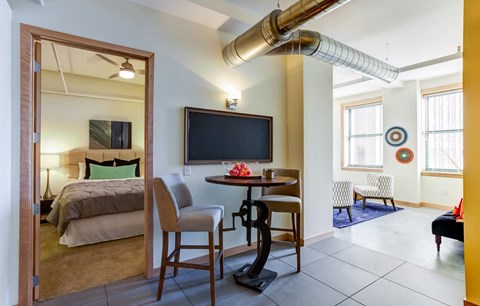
(77, 72)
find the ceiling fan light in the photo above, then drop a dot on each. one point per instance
(126, 74)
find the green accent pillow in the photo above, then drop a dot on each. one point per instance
(98, 172)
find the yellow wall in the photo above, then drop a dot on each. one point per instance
(471, 80)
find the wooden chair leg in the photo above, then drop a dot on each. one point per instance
(354, 197)
(438, 241)
(211, 255)
(384, 201)
(297, 242)
(339, 210)
(393, 204)
(364, 202)
(293, 228)
(163, 266)
(220, 245)
(349, 211)
(178, 241)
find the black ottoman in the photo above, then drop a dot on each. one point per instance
(447, 226)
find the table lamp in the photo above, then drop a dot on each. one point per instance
(49, 161)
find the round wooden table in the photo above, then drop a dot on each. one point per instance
(254, 276)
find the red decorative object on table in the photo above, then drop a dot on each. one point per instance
(240, 169)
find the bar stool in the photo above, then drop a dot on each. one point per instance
(178, 214)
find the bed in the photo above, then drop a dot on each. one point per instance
(90, 211)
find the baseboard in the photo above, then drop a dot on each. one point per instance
(467, 303)
(408, 204)
(424, 204)
(437, 206)
(322, 236)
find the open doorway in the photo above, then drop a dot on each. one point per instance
(30, 188)
(89, 109)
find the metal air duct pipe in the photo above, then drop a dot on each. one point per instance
(274, 34)
(275, 29)
(336, 53)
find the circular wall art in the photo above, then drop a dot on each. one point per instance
(404, 155)
(396, 136)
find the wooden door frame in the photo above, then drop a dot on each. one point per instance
(29, 156)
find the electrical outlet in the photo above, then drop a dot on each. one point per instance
(187, 170)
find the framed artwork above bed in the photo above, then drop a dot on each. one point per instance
(105, 134)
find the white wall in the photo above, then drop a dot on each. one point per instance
(318, 126)
(65, 119)
(189, 71)
(309, 121)
(402, 107)
(7, 293)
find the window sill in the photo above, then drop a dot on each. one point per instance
(442, 174)
(362, 169)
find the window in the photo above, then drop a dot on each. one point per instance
(363, 136)
(443, 131)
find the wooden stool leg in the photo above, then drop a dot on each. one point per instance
(211, 255)
(297, 242)
(293, 228)
(220, 245)
(349, 211)
(178, 239)
(163, 266)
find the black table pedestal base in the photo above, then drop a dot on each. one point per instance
(258, 283)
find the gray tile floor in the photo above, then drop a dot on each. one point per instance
(391, 260)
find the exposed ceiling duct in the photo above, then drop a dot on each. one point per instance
(278, 33)
(336, 53)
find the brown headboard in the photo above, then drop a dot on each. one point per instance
(76, 156)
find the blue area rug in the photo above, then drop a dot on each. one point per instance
(372, 211)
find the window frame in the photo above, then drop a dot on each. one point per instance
(344, 109)
(433, 91)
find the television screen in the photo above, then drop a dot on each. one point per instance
(215, 136)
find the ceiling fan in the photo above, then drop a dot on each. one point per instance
(126, 68)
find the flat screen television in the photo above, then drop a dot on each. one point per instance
(215, 136)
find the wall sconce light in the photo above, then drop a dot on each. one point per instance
(234, 96)
(48, 161)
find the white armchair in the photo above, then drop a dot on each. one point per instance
(379, 186)
(342, 196)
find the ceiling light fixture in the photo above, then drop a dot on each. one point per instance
(126, 70)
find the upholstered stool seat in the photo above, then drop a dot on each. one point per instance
(287, 204)
(204, 218)
(446, 225)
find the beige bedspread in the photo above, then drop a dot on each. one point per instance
(90, 198)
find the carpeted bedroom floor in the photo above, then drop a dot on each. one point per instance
(65, 270)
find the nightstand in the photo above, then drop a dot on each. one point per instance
(45, 209)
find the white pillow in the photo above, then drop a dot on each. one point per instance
(81, 170)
